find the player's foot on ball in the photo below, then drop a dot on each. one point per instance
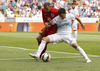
(88, 61)
(34, 56)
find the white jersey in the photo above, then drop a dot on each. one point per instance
(63, 25)
(74, 12)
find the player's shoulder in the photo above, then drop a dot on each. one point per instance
(75, 9)
(43, 10)
(54, 10)
(57, 17)
(70, 15)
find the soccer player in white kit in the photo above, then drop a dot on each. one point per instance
(75, 12)
(64, 34)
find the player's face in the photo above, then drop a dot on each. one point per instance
(62, 16)
(73, 6)
(47, 8)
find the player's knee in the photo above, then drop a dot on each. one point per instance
(74, 30)
(39, 38)
(75, 45)
(45, 39)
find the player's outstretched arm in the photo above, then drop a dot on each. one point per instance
(83, 27)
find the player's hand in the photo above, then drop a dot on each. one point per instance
(83, 27)
(47, 25)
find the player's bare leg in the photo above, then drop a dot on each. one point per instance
(82, 52)
(39, 38)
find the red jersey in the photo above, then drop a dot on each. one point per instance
(47, 17)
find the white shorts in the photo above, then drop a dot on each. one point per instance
(74, 26)
(56, 38)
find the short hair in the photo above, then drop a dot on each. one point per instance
(46, 4)
(61, 11)
(73, 4)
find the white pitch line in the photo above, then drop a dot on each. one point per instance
(6, 59)
(49, 51)
(14, 59)
(17, 48)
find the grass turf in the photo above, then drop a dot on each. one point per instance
(12, 59)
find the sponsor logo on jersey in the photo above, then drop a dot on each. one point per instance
(64, 24)
(52, 15)
(49, 19)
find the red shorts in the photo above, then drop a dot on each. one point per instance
(49, 31)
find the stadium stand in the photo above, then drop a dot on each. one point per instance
(31, 8)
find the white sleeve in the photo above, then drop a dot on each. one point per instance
(76, 12)
(72, 17)
(54, 21)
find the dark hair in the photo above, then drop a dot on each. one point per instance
(73, 4)
(46, 4)
(61, 11)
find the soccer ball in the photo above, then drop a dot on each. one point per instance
(46, 57)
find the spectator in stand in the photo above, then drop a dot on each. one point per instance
(27, 13)
(52, 4)
(39, 2)
(9, 13)
(81, 13)
(30, 1)
(26, 4)
(98, 21)
(66, 2)
(88, 13)
(3, 7)
(22, 2)
(84, 13)
(22, 14)
(6, 2)
(99, 7)
(28, 8)
(39, 6)
(16, 14)
(96, 13)
(13, 2)
(62, 3)
(18, 3)
(87, 8)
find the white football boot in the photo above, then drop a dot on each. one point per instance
(34, 56)
(88, 61)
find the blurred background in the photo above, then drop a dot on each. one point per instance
(26, 15)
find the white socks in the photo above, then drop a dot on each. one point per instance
(81, 51)
(75, 33)
(41, 48)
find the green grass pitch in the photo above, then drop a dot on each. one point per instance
(15, 49)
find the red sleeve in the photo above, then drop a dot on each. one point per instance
(43, 17)
(56, 11)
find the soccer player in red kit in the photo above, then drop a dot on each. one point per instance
(48, 13)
